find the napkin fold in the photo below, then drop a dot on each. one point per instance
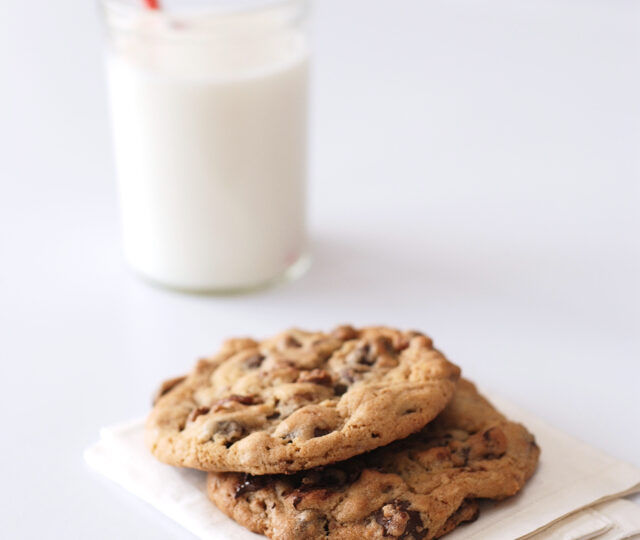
(612, 520)
(574, 495)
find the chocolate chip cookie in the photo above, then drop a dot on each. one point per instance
(418, 488)
(300, 400)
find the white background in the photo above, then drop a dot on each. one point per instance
(475, 175)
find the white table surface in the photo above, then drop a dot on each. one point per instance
(475, 174)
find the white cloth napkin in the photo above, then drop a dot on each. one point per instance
(574, 494)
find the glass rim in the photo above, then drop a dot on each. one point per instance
(178, 24)
(226, 7)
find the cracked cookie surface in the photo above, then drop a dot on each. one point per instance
(418, 488)
(300, 400)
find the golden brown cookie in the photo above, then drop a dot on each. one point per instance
(300, 400)
(418, 488)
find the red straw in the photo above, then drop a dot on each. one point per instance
(152, 4)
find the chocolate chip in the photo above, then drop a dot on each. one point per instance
(382, 345)
(361, 355)
(316, 376)
(249, 484)
(369, 353)
(324, 479)
(254, 361)
(398, 521)
(230, 430)
(464, 451)
(340, 389)
(290, 342)
(348, 375)
(352, 374)
(199, 411)
(459, 455)
(496, 443)
(321, 432)
(392, 520)
(310, 524)
(305, 433)
(313, 495)
(415, 527)
(225, 402)
(329, 477)
(273, 416)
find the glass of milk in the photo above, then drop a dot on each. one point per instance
(209, 118)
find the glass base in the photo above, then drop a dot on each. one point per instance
(293, 272)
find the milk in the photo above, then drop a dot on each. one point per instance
(209, 117)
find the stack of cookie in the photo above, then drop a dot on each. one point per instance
(365, 433)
